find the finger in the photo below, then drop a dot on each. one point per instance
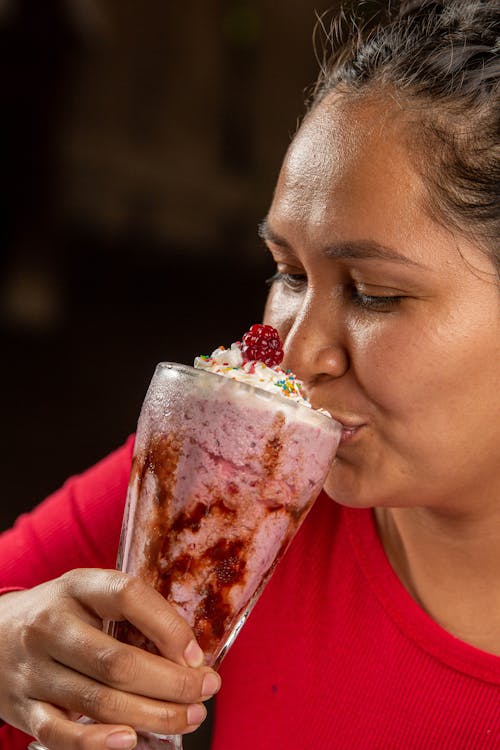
(53, 729)
(75, 692)
(118, 596)
(99, 656)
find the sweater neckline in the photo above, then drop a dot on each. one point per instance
(405, 612)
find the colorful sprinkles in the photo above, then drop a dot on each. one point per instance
(230, 363)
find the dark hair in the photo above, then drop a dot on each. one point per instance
(441, 58)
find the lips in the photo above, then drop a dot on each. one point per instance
(350, 428)
(348, 433)
(352, 424)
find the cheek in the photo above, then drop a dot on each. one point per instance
(411, 370)
(281, 310)
(390, 363)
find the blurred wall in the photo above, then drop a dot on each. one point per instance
(140, 144)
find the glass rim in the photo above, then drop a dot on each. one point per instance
(285, 402)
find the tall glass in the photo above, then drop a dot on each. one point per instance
(223, 475)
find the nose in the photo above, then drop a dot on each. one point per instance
(315, 345)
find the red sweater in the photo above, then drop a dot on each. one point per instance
(335, 656)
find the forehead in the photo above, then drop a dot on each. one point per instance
(350, 175)
(349, 164)
(327, 141)
(344, 137)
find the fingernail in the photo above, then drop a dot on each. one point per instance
(121, 741)
(211, 684)
(193, 654)
(195, 714)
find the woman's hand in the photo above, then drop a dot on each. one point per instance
(56, 664)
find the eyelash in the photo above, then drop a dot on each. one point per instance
(292, 280)
(375, 303)
(365, 301)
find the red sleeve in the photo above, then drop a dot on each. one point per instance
(77, 526)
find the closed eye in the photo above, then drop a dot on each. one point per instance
(376, 303)
(371, 302)
(295, 281)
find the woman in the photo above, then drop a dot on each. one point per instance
(381, 628)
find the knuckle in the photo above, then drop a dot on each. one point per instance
(186, 688)
(178, 628)
(68, 580)
(113, 707)
(170, 718)
(73, 582)
(35, 627)
(128, 588)
(82, 741)
(117, 666)
(92, 698)
(42, 727)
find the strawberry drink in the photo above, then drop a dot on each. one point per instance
(228, 459)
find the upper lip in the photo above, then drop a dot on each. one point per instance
(348, 423)
(348, 420)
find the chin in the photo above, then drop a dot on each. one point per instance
(344, 486)
(340, 491)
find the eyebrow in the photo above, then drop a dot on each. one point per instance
(356, 249)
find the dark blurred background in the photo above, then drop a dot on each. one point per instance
(139, 147)
(140, 143)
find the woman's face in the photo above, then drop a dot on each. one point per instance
(392, 321)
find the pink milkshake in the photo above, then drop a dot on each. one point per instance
(228, 459)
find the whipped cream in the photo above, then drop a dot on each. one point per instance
(230, 363)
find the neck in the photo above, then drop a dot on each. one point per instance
(450, 565)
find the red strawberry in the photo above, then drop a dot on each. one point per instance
(262, 343)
